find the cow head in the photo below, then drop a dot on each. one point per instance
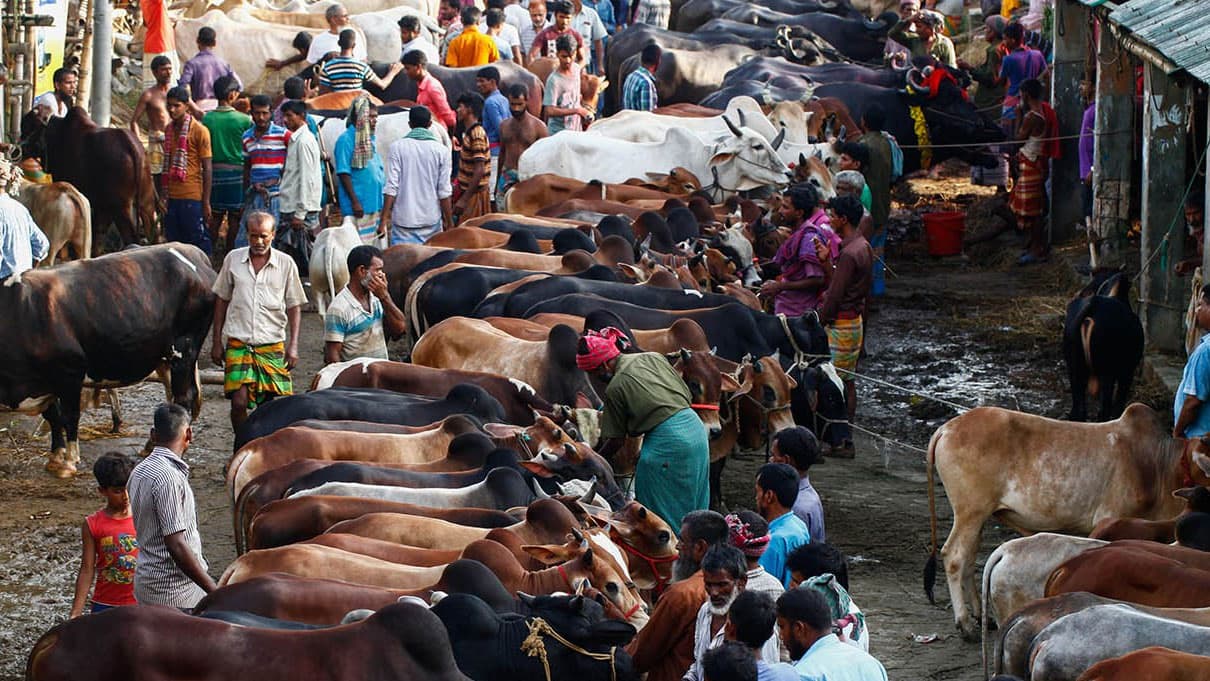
(649, 543)
(679, 181)
(578, 563)
(819, 403)
(743, 160)
(807, 336)
(556, 455)
(706, 385)
(591, 88)
(953, 119)
(581, 619)
(738, 248)
(766, 390)
(815, 170)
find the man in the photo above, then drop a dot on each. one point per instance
(416, 198)
(724, 577)
(327, 44)
(353, 325)
(544, 44)
(158, 40)
(752, 621)
(58, 101)
(731, 661)
(259, 295)
(750, 534)
(409, 35)
(200, 73)
(264, 157)
(429, 92)
(1195, 224)
(849, 278)
(1088, 126)
(517, 133)
(804, 621)
(22, 244)
(852, 183)
(301, 45)
(495, 112)
(856, 156)
(517, 16)
(639, 91)
(153, 104)
(508, 40)
(878, 171)
(346, 72)
(474, 161)
(301, 187)
(171, 570)
(664, 648)
(990, 92)
(1193, 394)
(776, 491)
(653, 12)
(645, 396)
(188, 176)
(919, 33)
(360, 171)
(471, 47)
(1038, 130)
(586, 22)
(536, 24)
(227, 127)
(798, 448)
(449, 17)
(1022, 63)
(561, 97)
(800, 284)
(825, 569)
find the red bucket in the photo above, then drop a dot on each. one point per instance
(944, 231)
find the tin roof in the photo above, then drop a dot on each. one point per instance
(1177, 29)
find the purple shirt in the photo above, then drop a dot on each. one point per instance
(1018, 67)
(200, 73)
(798, 261)
(1086, 140)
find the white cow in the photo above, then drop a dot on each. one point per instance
(429, 7)
(391, 127)
(740, 160)
(644, 126)
(329, 269)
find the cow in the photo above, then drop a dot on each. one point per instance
(459, 81)
(1065, 649)
(392, 126)
(107, 165)
(56, 340)
(385, 550)
(372, 474)
(545, 189)
(694, 13)
(1197, 500)
(485, 643)
(518, 398)
(501, 489)
(315, 560)
(1147, 577)
(63, 214)
(1102, 346)
(329, 271)
(367, 404)
(818, 402)
(1128, 467)
(1154, 662)
(474, 345)
(770, 69)
(857, 38)
(644, 126)
(738, 162)
(400, 641)
(683, 334)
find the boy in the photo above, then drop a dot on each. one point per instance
(561, 100)
(227, 127)
(187, 174)
(110, 548)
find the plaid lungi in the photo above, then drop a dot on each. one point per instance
(227, 189)
(844, 340)
(1029, 191)
(155, 152)
(260, 367)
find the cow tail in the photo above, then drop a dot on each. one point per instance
(992, 561)
(930, 567)
(241, 506)
(41, 648)
(145, 198)
(331, 255)
(85, 209)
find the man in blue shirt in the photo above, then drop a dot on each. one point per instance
(639, 91)
(804, 621)
(1192, 414)
(22, 244)
(776, 491)
(495, 112)
(360, 170)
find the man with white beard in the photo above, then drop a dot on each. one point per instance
(724, 575)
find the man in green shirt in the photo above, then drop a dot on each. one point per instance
(645, 396)
(226, 126)
(925, 40)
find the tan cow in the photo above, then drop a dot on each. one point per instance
(63, 214)
(1036, 474)
(530, 196)
(315, 560)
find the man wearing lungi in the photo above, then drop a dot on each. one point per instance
(259, 296)
(645, 396)
(1039, 129)
(360, 171)
(154, 104)
(227, 127)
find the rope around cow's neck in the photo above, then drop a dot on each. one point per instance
(534, 646)
(802, 358)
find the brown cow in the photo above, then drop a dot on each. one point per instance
(1018, 467)
(386, 550)
(529, 196)
(684, 334)
(291, 520)
(591, 86)
(518, 399)
(1197, 499)
(592, 206)
(1151, 663)
(401, 641)
(286, 597)
(1137, 576)
(687, 110)
(63, 214)
(314, 560)
(741, 293)
(476, 237)
(581, 225)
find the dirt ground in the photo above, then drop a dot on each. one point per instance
(968, 330)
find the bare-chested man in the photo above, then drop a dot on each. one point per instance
(516, 134)
(154, 103)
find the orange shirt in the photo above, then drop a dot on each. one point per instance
(471, 48)
(198, 145)
(664, 648)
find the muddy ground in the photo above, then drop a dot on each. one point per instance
(968, 330)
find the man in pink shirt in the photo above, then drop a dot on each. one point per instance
(429, 91)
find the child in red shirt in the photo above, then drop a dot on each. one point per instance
(110, 547)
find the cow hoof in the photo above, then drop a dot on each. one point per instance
(60, 470)
(970, 632)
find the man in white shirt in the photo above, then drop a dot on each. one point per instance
(536, 23)
(586, 22)
(508, 40)
(409, 35)
(57, 102)
(327, 43)
(804, 622)
(301, 190)
(362, 315)
(21, 242)
(724, 575)
(418, 175)
(517, 16)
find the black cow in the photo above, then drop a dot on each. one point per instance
(115, 318)
(459, 81)
(367, 404)
(109, 166)
(951, 120)
(369, 474)
(857, 38)
(1102, 346)
(694, 13)
(487, 644)
(248, 619)
(775, 70)
(767, 93)
(569, 239)
(818, 403)
(525, 297)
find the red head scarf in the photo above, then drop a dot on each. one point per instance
(600, 347)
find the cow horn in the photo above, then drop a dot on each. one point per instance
(685, 354)
(547, 455)
(742, 120)
(840, 135)
(586, 498)
(731, 126)
(539, 492)
(747, 359)
(714, 350)
(802, 160)
(781, 137)
(577, 534)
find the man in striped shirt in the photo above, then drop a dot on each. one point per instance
(347, 72)
(264, 157)
(638, 92)
(171, 570)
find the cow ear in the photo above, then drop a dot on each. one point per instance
(587, 558)
(537, 469)
(1184, 493)
(721, 158)
(744, 387)
(502, 429)
(546, 554)
(1202, 461)
(632, 271)
(728, 384)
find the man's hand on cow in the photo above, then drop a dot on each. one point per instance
(395, 68)
(274, 64)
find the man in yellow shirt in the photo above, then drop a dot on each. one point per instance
(472, 47)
